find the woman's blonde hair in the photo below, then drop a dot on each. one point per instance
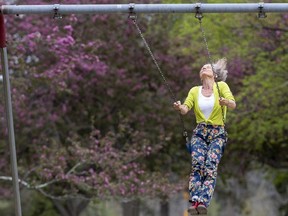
(219, 68)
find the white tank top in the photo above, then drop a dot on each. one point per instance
(206, 104)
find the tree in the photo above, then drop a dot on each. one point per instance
(262, 132)
(86, 104)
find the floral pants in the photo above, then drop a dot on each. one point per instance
(207, 147)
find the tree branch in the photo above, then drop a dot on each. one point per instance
(27, 185)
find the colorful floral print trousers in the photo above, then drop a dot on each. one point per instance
(207, 147)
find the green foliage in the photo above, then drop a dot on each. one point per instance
(257, 54)
(6, 208)
(33, 203)
(260, 124)
(281, 181)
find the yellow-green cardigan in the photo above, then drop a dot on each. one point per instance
(216, 116)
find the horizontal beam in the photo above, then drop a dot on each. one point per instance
(145, 8)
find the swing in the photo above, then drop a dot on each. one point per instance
(199, 16)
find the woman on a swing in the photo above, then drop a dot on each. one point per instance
(210, 102)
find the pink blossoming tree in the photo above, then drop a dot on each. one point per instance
(88, 107)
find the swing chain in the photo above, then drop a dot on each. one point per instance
(210, 62)
(172, 95)
(154, 59)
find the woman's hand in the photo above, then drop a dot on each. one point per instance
(177, 105)
(229, 103)
(183, 109)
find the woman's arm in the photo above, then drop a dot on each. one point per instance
(182, 108)
(188, 103)
(227, 98)
(227, 102)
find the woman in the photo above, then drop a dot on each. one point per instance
(209, 137)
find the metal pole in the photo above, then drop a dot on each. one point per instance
(145, 8)
(9, 118)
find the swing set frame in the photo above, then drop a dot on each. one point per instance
(57, 10)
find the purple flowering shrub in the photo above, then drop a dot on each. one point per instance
(86, 101)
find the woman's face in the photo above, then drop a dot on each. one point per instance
(206, 71)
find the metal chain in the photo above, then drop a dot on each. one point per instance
(172, 95)
(199, 17)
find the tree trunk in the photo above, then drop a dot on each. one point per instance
(70, 207)
(131, 208)
(164, 211)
